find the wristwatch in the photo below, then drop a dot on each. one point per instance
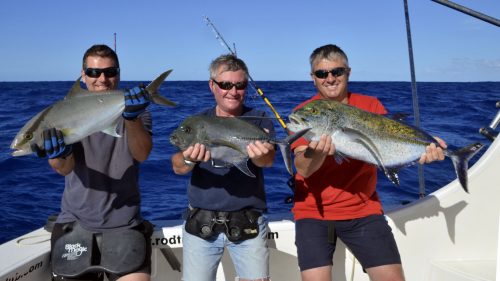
(189, 163)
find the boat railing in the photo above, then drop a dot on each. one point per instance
(490, 131)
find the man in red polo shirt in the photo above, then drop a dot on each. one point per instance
(339, 200)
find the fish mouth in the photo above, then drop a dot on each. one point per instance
(174, 140)
(20, 150)
(296, 120)
(15, 144)
(297, 123)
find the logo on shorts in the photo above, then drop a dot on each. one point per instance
(73, 251)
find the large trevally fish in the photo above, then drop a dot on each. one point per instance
(80, 114)
(373, 138)
(227, 139)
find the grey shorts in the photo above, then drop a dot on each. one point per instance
(370, 239)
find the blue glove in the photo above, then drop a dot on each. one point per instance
(136, 102)
(53, 143)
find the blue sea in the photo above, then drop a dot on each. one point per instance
(30, 191)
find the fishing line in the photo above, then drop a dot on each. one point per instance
(254, 117)
(219, 37)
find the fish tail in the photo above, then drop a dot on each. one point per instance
(460, 159)
(153, 88)
(286, 152)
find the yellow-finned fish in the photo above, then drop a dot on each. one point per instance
(373, 138)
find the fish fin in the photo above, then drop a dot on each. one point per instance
(243, 167)
(66, 131)
(286, 152)
(399, 116)
(76, 89)
(153, 88)
(460, 159)
(111, 130)
(360, 138)
(340, 157)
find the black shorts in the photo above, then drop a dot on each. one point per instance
(145, 228)
(370, 239)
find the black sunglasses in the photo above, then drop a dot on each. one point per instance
(336, 72)
(109, 72)
(229, 85)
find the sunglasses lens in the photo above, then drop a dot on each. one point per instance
(229, 85)
(111, 71)
(336, 72)
(322, 74)
(241, 86)
(96, 72)
(225, 85)
(93, 72)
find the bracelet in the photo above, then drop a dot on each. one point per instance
(189, 163)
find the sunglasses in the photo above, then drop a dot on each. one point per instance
(109, 72)
(229, 85)
(336, 72)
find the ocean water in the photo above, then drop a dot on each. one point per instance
(30, 191)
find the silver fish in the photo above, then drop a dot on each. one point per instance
(227, 139)
(80, 114)
(373, 138)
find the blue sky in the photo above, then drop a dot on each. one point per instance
(45, 40)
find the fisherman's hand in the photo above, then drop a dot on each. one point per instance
(320, 148)
(259, 149)
(196, 153)
(54, 145)
(309, 159)
(136, 102)
(433, 152)
(261, 153)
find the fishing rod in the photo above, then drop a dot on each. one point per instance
(219, 37)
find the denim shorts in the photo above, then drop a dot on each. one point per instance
(201, 257)
(370, 240)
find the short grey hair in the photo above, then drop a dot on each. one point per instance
(329, 52)
(228, 63)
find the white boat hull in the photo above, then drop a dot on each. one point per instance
(447, 236)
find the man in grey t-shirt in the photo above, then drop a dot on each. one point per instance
(101, 193)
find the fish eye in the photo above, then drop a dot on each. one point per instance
(28, 136)
(186, 129)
